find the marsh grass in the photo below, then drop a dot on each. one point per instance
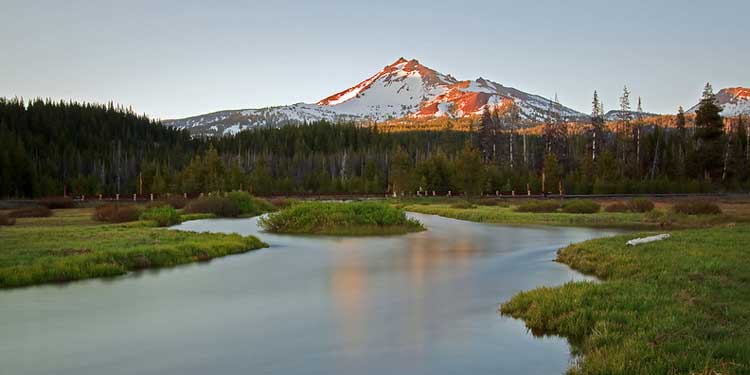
(581, 206)
(57, 202)
(676, 306)
(640, 205)
(219, 206)
(696, 207)
(70, 246)
(539, 206)
(628, 220)
(6, 220)
(249, 205)
(233, 204)
(30, 211)
(334, 218)
(161, 216)
(117, 213)
(463, 205)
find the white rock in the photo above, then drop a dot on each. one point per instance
(658, 237)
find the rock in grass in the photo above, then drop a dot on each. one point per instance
(642, 240)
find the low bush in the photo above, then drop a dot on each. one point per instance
(177, 202)
(538, 206)
(280, 202)
(162, 216)
(249, 205)
(492, 202)
(617, 207)
(6, 220)
(116, 213)
(696, 207)
(31, 211)
(340, 218)
(174, 202)
(57, 202)
(155, 204)
(581, 206)
(640, 205)
(219, 206)
(463, 205)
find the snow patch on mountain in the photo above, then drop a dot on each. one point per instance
(405, 88)
(734, 101)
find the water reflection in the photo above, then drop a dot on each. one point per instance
(420, 303)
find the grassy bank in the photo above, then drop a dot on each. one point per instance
(70, 245)
(676, 306)
(354, 218)
(508, 215)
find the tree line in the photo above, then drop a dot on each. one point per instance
(55, 148)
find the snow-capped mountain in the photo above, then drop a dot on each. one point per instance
(734, 101)
(404, 88)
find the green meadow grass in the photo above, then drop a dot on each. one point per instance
(334, 218)
(509, 215)
(71, 246)
(678, 306)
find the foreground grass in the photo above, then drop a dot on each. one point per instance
(334, 218)
(71, 246)
(678, 306)
(625, 220)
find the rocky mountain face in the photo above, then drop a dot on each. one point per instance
(405, 88)
(734, 101)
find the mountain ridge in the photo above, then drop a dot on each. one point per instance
(734, 101)
(405, 88)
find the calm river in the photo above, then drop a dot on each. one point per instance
(423, 303)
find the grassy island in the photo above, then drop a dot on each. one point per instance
(71, 245)
(334, 218)
(678, 306)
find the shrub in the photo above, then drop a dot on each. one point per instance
(219, 206)
(31, 211)
(696, 207)
(640, 205)
(6, 220)
(617, 207)
(177, 202)
(174, 202)
(155, 204)
(665, 219)
(280, 202)
(57, 202)
(492, 202)
(250, 205)
(538, 206)
(163, 216)
(463, 205)
(581, 206)
(116, 213)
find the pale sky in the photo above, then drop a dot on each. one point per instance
(173, 59)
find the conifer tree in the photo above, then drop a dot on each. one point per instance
(399, 174)
(487, 135)
(469, 171)
(597, 125)
(709, 135)
(681, 138)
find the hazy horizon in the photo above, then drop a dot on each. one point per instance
(177, 59)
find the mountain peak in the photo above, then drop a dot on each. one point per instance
(734, 101)
(400, 60)
(405, 88)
